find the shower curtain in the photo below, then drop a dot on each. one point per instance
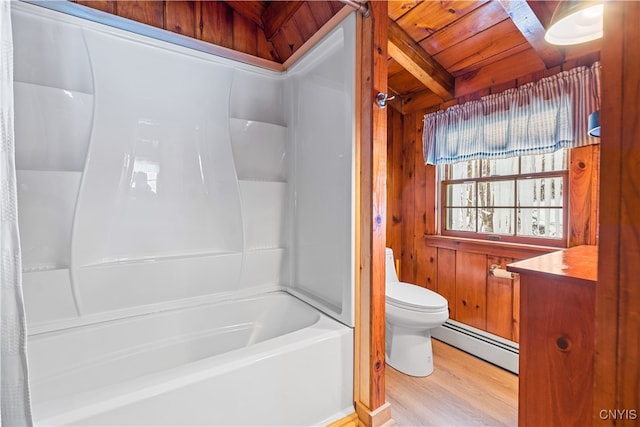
(14, 386)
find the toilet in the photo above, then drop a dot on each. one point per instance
(412, 312)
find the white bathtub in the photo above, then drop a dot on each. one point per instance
(267, 360)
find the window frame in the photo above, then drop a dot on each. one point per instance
(538, 241)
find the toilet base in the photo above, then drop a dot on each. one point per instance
(409, 350)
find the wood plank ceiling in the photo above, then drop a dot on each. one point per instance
(440, 51)
(478, 45)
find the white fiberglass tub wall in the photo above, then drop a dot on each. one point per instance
(156, 187)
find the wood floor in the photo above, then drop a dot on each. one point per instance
(462, 391)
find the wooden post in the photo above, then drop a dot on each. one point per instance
(371, 154)
(617, 368)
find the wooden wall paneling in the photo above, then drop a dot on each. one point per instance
(371, 159)
(594, 230)
(364, 211)
(216, 23)
(430, 206)
(531, 77)
(245, 35)
(287, 40)
(378, 13)
(147, 12)
(628, 363)
(265, 48)
(325, 29)
(252, 10)
(515, 329)
(277, 14)
(408, 198)
(520, 64)
(321, 11)
(447, 278)
(548, 72)
(504, 86)
(501, 249)
(500, 309)
(617, 371)
(305, 21)
(394, 185)
(430, 265)
(607, 385)
(421, 265)
(180, 17)
(584, 49)
(108, 6)
(336, 5)
(583, 183)
(473, 96)
(417, 102)
(471, 289)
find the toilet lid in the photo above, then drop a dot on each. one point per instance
(414, 297)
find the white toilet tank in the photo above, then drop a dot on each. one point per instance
(391, 267)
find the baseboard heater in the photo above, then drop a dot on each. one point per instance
(482, 344)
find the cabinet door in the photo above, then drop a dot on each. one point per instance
(471, 289)
(556, 351)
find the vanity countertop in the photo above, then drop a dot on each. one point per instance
(579, 262)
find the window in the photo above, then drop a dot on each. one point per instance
(517, 199)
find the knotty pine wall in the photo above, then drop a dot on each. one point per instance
(218, 23)
(458, 268)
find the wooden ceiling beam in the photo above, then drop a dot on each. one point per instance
(252, 10)
(415, 59)
(543, 10)
(277, 14)
(529, 25)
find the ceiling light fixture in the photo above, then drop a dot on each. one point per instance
(575, 22)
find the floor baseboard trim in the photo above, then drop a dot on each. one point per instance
(377, 418)
(489, 347)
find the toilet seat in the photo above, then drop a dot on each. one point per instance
(414, 298)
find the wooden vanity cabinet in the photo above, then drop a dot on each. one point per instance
(557, 322)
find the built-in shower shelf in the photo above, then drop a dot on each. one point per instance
(49, 295)
(156, 258)
(41, 268)
(258, 150)
(258, 122)
(266, 181)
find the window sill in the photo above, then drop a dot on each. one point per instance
(488, 247)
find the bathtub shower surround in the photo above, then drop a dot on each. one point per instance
(176, 211)
(14, 385)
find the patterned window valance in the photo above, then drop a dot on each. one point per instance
(538, 117)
